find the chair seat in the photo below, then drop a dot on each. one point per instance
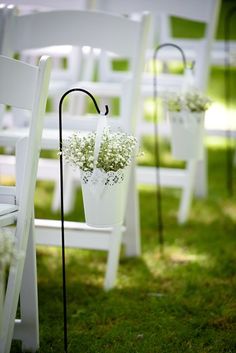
(8, 214)
(6, 208)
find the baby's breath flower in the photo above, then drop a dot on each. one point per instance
(7, 249)
(175, 103)
(192, 101)
(116, 151)
(197, 102)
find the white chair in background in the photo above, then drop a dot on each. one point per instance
(28, 6)
(23, 86)
(96, 30)
(205, 12)
(67, 60)
(202, 11)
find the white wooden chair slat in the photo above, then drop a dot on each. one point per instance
(18, 98)
(7, 208)
(18, 206)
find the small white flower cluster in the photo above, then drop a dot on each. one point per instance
(115, 153)
(174, 103)
(7, 249)
(192, 101)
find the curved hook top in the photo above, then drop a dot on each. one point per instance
(89, 94)
(174, 46)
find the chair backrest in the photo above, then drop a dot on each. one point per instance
(61, 75)
(199, 48)
(25, 87)
(181, 8)
(82, 28)
(203, 11)
(58, 55)
(27, 6)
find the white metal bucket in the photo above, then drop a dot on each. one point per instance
(104, 198)
(187, 135)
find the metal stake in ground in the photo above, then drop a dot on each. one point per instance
(62, 202)
(156, 133)
(229, 137)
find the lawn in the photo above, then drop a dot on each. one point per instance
(181, 300)
(178, 300)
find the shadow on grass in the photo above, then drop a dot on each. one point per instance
(180, 301)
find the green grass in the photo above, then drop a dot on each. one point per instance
(181, 300)
(216, 88)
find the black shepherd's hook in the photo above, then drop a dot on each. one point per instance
(62, 199)
(229, 154)
(157, 149)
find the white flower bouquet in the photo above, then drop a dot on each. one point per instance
(7, 250)
(116, 151)
(186, 114)
(192, 101)
(104, 160)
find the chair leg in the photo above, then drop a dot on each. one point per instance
(14, 285)
(2, 295)
(132, 219)
(56, 196)
(29, 297)
(69, 191)
(10, 306)
(187, 193)
(201, 182)
(113, 257)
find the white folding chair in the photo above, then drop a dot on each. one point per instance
(96, 30)
(66, 59)
(202, 11)
(23, 86)
(198, 50)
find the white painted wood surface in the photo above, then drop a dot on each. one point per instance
(32, 95)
